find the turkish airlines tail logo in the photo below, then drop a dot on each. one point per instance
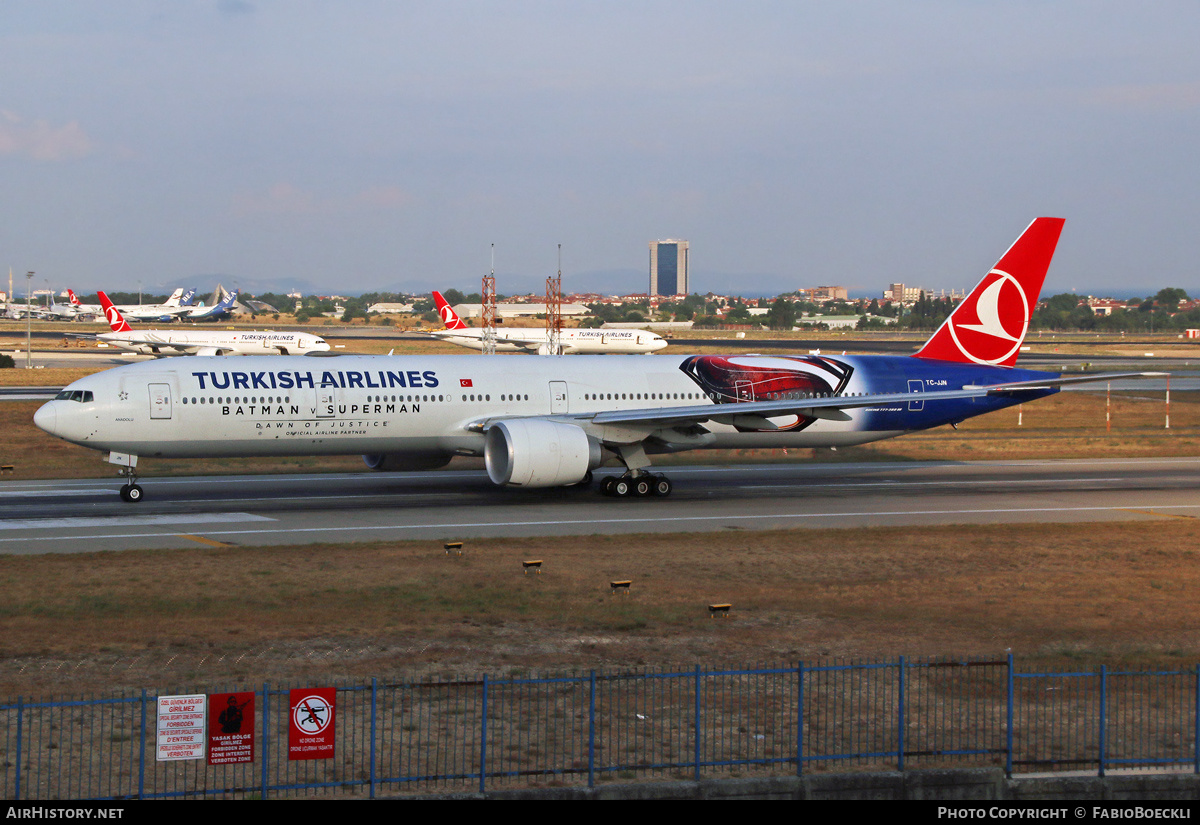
(449, 317)
(71, 295)
(113, 315)
(990, 324)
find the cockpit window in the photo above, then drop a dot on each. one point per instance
(82, 396)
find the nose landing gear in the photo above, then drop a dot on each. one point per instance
(131, 492)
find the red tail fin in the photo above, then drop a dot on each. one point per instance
(71, 295)
(990, 324)
(449, 317)
(115, 319)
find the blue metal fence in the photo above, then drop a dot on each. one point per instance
(597, 727)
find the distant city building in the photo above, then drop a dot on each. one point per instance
(390, 309)
(904, 294)
(669, 267)
(820, 294)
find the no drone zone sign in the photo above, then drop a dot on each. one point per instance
(311, 727)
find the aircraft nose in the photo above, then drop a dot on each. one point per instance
(46, 418)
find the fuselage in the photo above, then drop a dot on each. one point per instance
(360, 404)
(573, 341)
(213, 342)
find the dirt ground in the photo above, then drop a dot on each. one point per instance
(178, 620)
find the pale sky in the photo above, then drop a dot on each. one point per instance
(367, 145)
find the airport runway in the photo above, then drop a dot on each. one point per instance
(86, 515)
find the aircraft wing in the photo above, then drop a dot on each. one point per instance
(528, 344)
(1062, 380)
(182, 346)
(755, 414)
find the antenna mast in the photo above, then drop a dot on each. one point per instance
(554, 310)
(489, 309)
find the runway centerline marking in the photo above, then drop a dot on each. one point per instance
(954, 482)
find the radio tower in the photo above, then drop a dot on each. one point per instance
(554, 310)
(489, 308)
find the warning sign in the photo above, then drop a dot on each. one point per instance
(180, 727)
(310, 735)
(230, 728)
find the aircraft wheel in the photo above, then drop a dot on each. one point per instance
(621, 487)
(606, 485)
(131, 493)
(661, 487)
(641, 486)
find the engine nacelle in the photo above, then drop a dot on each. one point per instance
(538, 453)
(407, 461)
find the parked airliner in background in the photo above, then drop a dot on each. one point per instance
(546, 422)
(572, 341)
(179, 303)
(223, 308)
(69, 311)
(162, 342)
(82, 309)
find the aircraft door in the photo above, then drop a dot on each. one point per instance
(160, 400)
(327, 402)
(916, 385)
(744, 390)
(558, 397)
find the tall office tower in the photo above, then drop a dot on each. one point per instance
(668, 267)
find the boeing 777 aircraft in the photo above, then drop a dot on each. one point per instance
(572, 341)
(546, 422)
(161, 342)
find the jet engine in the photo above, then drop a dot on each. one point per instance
(539, 453)
(407, 461)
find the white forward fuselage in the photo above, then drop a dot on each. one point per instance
(573, 341)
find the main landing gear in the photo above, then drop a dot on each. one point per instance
(637, 485)
(638, 481)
